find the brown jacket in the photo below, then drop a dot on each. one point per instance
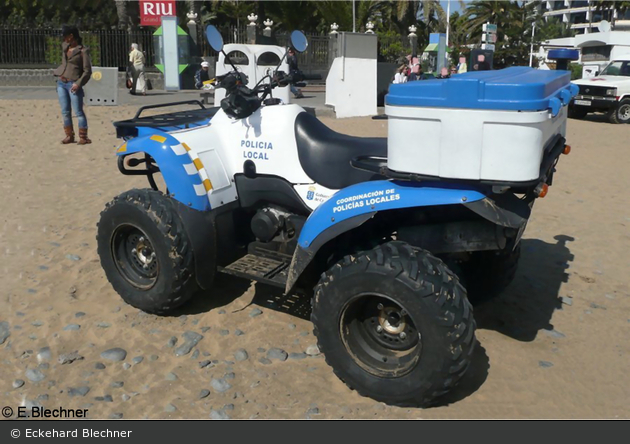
(77, 67)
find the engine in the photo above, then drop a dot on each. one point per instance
(275, 224)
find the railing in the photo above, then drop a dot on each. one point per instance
(41, 48)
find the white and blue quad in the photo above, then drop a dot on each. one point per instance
(388, 236)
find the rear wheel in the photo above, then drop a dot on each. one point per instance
(145, 251)
(622, 113)
(394, 324)
(488, 273)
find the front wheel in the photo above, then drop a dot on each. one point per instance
(145, 251)
(622, 113)
(394, 324)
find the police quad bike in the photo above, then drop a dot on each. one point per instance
(388, 236)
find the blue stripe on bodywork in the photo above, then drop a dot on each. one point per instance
(381, 195)
(180, 184)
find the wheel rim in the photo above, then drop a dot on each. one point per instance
(380, 335)
(135, 256)
(624, 112)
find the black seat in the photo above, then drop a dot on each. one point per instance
(325, 155)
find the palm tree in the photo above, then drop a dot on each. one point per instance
(484, 11)
(123, 14)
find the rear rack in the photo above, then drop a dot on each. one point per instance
(554, 149)
(178, 119)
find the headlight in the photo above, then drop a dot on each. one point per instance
(611, 92)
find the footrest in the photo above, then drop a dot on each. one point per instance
(262, 269)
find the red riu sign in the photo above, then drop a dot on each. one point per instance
(151, 11)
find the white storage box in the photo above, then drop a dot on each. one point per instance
(490, 125)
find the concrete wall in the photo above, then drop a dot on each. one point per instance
(44, 77)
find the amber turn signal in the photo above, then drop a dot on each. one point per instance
(543, 190)
(567, 149)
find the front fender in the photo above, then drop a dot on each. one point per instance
(352, 206)
(180, 172)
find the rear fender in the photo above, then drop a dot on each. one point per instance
(352, 206)
(182, 173)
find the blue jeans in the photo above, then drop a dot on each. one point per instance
(68, 99)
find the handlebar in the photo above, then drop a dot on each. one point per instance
(241, 101)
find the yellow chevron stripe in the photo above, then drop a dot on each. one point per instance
(185, 146)
(157, 138)
(198, 164)
(123, 148)
(207, 184)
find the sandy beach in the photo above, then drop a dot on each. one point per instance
(555, 345)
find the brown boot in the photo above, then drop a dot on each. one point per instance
(83, 138)
(69, 134)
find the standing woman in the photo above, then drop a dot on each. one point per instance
(136, 58)
(73, 73)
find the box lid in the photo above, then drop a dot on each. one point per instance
(518, 88)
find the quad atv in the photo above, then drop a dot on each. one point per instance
(264, 191)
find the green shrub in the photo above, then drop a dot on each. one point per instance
(576, 71)
(391, 47)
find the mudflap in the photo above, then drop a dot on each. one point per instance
(201, 230)
(505, 210)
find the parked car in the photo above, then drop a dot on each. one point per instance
(609, 92)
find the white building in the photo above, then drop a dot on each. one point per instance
(582, 15)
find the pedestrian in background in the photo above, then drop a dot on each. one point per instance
(203, 75)
(462, 67)
(72, 75)
(401, 74)
(136, 58)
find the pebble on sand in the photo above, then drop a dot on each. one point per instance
(278, 354)
(241, 355)
(18, 383)
(554, 333)
(255, 312)
(69, 358)
(73, 257)
(220, 385)
(44, 354)
(312, 350)
(78, 391)
(205, 363)
(72, 327)
(545, 364)
(191, 340)
(4, 331)
(204, 393)
(218, 414)
(34, 375)
(114, 354)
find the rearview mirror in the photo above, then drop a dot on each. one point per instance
(214, 38)
(298, 41)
